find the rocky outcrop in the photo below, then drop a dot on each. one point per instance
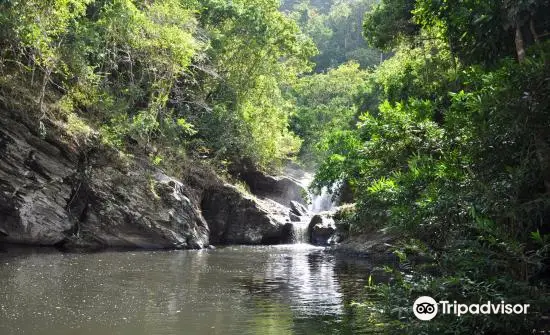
(294, 218)
(298, 209)
(63, 192)
(137, 208)
(279, 189)
(298, 212)
(377, 245)
(55, 193)
(321, 228)
(235, 218)
(34, 187)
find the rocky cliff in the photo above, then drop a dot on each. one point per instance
(54, 191)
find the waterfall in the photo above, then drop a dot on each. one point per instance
(299, 232)
(322, 202)
(319, 203)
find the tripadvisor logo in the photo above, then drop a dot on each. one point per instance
(426, 308)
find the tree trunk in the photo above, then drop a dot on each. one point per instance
(533, 31)
(520, 48)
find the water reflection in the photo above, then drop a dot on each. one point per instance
(235, 290)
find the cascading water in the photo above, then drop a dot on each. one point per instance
(322, 202)
(319, 203)
(299, 232)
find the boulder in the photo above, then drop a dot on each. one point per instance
(376, 245)
(279, 189)
(298, 209)
(237, 218)
(321, 228)
(294, 218)
(335, 238)
(141, 208)
(288, 233)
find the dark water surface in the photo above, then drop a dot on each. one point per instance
(291, 289)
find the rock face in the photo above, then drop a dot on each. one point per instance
(321, 228)
(52, 193)
(138, 208)
(298, 209)
(294, 218)
(34, 187)
(279, 189)
(237, 219)
(55, 191)
(298, 212)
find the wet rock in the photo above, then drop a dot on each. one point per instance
(298, 212)
(279, 189)
(294, 218)
(321, 228)
(298, 209)
(376, 245)
(288, 233)
(335, 238)
(236, 218)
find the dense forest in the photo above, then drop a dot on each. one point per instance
(431, 116)
(175, 78)
(449, 148)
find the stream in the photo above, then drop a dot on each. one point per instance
(285, 289)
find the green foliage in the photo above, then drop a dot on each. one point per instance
(388, 306)
(452, 149)
(477, 32)
(447, 141)
(483, 32)
(325, 103)
(38, 27)
(257, 51)
(388, 22)
(424, 72)
(160, 75)
(336, 28)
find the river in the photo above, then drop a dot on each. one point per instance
(288, 289)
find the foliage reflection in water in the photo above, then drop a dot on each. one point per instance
(289, 289)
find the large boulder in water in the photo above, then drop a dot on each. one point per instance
(237, 218)
(139, 209)
(321, 228)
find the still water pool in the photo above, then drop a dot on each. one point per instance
(289, 289)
